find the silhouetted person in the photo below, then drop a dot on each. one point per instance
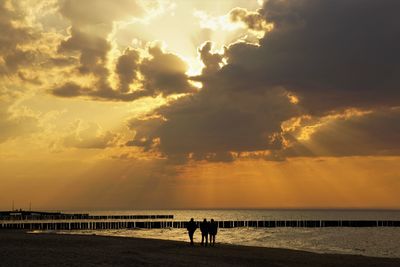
(204, 227)
(213, 229)
(191, 227)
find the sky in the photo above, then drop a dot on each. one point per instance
(163, 104)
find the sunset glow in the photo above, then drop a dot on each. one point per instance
(198, 104)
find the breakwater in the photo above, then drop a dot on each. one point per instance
(120, 222)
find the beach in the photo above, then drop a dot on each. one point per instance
(18, 248)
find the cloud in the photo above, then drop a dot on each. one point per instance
(126, 69)
(28, 45)
(215, 122)
(62, 61)
(99, 13)
(331, 54)
(13, 122)
(69, 90)
(93, 51)
(318, 60)
(88, 136)
(211, 61)
(161, 73)
(15, 34)
(369, 134)
(139, 72)
(164, 73)
(321, 58)
(89, 39)
(253, 20)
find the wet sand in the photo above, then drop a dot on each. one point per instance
(22, 249)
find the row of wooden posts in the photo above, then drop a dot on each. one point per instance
(126, 224)
(84, 217)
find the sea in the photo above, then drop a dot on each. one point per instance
(368, 241)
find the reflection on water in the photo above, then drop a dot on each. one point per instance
(380, 242)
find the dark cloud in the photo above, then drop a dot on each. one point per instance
(18, 58)
(161, 74)
(69, 90)
(88, 38)
(102, 92)
(14, 34)
(215, 122)
(62, 61)
(15, 55)
(332, 55)
(126, 69)
(375, 133)
(93, 51)
(211, 61)
(164, 73)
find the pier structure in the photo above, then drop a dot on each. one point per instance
(40, 215)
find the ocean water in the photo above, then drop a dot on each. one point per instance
(374, 241)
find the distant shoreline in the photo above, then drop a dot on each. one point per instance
(18, 248)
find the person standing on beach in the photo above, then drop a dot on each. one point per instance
(204, 227)
(191, 227)
(213, 229)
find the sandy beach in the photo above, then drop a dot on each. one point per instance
(23, 249)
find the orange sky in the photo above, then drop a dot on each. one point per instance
(198, 104)
(354, 182)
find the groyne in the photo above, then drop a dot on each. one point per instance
(123, 223)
